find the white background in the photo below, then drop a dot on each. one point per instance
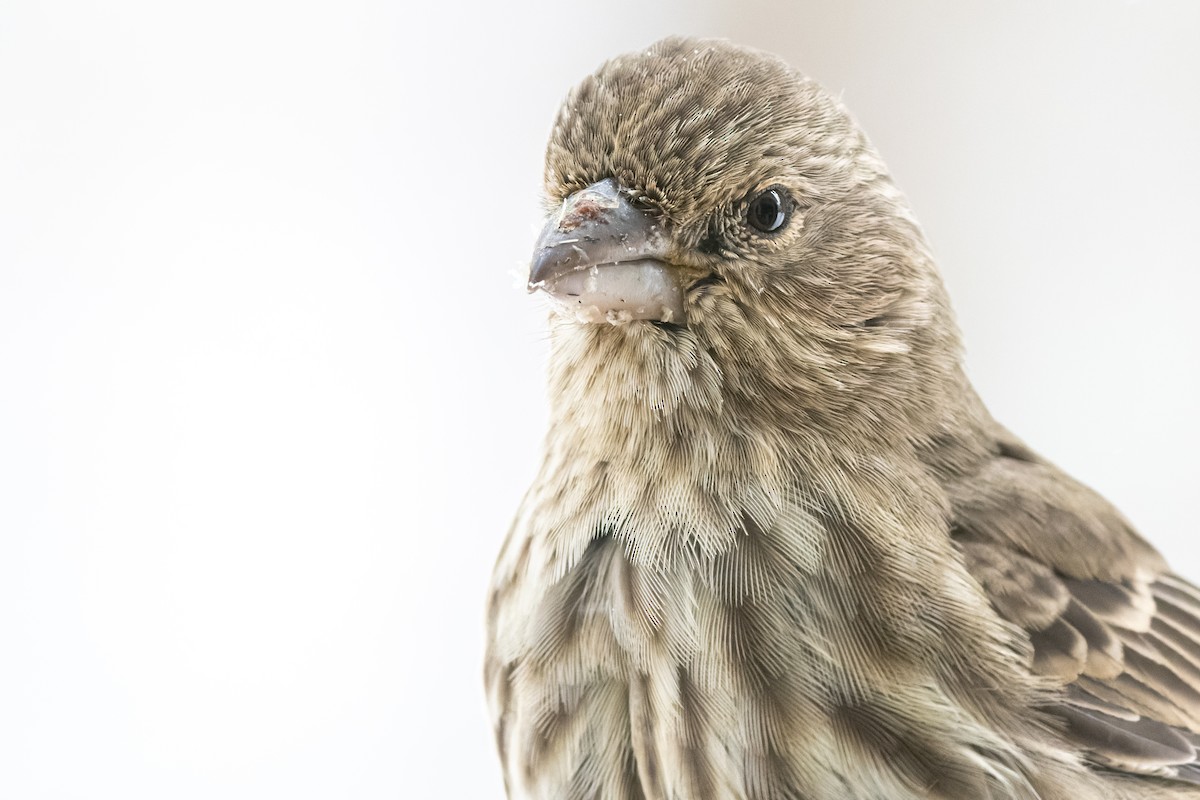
(270, 392)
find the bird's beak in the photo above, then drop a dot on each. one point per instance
(603, 260)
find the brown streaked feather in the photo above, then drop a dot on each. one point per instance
(1166, 683)
(1126, 604)
(1176, 615)
(1180, 592)
(1125, 636)
(920, 764)
(1105, 653)
(1023, 591)
(1146, 699)
(1084, 699)
(1146, 743)
(1187, 647)
(1039, 511)
(1059, 650)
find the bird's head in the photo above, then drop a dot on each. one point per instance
(717, 215)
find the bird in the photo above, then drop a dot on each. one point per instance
(777, 547)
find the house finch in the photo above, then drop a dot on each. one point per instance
(777, 547)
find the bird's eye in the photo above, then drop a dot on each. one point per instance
(768, 210)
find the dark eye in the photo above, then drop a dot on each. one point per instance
(768, 210)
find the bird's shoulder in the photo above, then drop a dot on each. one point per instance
(1105, 616)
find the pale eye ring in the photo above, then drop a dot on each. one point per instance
(767, 211)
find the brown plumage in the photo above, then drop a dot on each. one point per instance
(777, 547)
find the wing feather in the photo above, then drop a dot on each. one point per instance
(1104, 615)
